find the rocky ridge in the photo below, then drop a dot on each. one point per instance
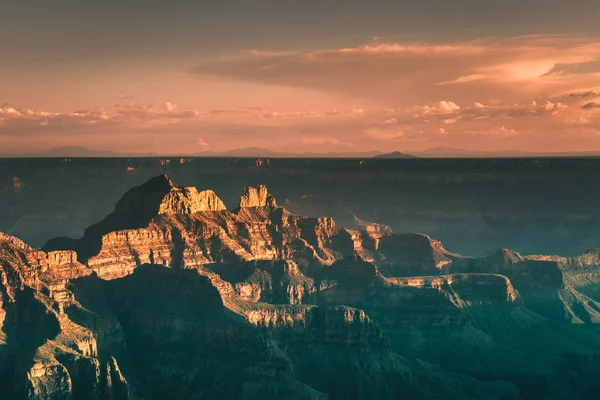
(161, 223)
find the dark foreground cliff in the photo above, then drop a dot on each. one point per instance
(174, 295)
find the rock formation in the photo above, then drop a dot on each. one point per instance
(257, 197)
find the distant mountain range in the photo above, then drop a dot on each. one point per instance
(82, 152)
(451, 152)
(261, 152)
(395, 154)
(435, 152)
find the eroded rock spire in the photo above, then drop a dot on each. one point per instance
(257, 197)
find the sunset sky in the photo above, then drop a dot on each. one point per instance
(296, 76)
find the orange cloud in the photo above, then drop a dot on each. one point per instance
(511, 69)
(590, 105)
(558, 123)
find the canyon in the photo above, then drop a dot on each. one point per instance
(172, 294)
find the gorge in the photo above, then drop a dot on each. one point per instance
(175, 295)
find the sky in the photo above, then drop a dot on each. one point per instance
(184, 76)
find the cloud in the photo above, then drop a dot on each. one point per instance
(449, 106)
(125, 115)
(237, 130)
(320, 141)
(170, 107)
(589, 93)
(570, 123)
(275, 114)
(496, 132)
(266, 53)
(590, 105)
(450, 112)
(513, 69)
(133, 116)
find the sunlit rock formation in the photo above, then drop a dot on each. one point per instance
(257, 197)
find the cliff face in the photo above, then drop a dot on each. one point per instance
(173, 322)
(68, 347)
(410, 254)
(189, 201)
(559, 288)
(257, 197)
(172, 295)
(43, 354)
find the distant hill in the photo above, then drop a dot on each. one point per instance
(82, 152)
(452, 152)
(75, 151)
(245, 152)
(446, 152)
(395, 154)
(259, 152)
(262, 152)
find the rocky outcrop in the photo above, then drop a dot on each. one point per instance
(468, 289)
(582, 271)
(257, 197)
(331, 325)
(136, 209)
(275, 282)
(47, 353)
(189, 201)
(18, 185)
(548, 284)
(175, 320)
(412, 254)
(374, 230)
